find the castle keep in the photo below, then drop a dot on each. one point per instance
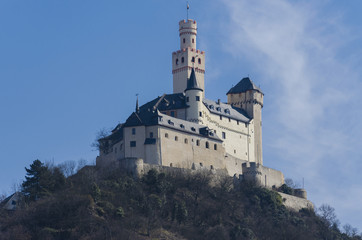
(186, 130)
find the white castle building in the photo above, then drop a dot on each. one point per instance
(186, 130)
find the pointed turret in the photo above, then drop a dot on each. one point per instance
(194, 96)
(192, 82)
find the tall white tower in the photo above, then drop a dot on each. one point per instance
(187, 57)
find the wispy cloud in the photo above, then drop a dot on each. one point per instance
(314, 90)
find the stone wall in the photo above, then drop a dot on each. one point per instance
(261, 175)
(295, 203)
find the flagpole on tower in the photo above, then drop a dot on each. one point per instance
(188, 7)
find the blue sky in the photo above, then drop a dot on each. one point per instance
(70, 68)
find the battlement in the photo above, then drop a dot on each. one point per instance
(191, 49)
(190, 23)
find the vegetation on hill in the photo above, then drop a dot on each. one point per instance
(109, 204)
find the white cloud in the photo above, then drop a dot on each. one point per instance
(295, 47)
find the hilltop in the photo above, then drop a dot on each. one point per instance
(109, 204)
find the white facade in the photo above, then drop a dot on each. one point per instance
(186, 130)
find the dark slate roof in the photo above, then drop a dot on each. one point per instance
(226, 110)
(186, 126)
(166, 102)
(192, 82)
(244, 85)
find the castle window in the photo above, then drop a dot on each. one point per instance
(200, 114)
(187, 99)
(133, 131)
(170, 122)
(215, 146)
(182, 126)
(193, 129)
(186, 140)
(211, 167)
(184, 40)
(234, 151)
(211, 107)
(151, 134)
(170, 164)
(227, 111)
(198, 142)
(176, 138)
(133, 144)
(198, 98)
(207, 144)
(223, 135)
(166, 135)
(237, 122)
(176, 61)
(220, 117)
(229, 120)
(193, 59)
(182, 60)
(218, 109)
(199, 60)
(193, 40)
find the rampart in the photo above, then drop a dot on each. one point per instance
(262, 176)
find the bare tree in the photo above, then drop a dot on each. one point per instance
(81, 163)
(292, 184)
(350, 231)
(327, 214)
(98, 143)
(68, 168)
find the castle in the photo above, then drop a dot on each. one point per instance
(188, 131)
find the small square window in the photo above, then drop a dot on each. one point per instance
(198, 98)
(133, 143)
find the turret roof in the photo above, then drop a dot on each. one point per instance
(192, 82)
(244, 85)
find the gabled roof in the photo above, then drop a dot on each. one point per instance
(192, 82)
(244, 85)
(226, 110)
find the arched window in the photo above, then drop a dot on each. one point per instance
(182, 60)
(198, 142)
(193, 59)
(184, 40)
(176, 61)
(193, 40)
(199, 60)
(207, 144)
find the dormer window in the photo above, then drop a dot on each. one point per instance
(170, 122)
(211, 107)
(193, 129)
(182, 126)
(227, 111)
(218, 109)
